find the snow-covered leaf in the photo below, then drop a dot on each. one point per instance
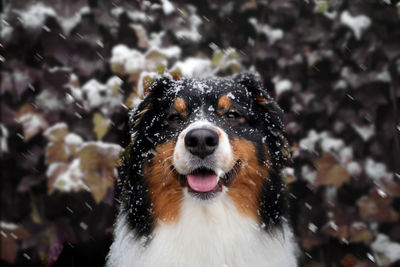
(358, 24)
(141, 34)
(386, 250)
(65, 177)
(32, 121)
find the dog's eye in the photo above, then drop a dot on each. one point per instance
(174, 118)
(232, 115)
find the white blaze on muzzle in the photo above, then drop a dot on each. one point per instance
(220, 160)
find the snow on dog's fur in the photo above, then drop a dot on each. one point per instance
(201, 181)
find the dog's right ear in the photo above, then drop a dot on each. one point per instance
(160, 84)
(274, 114)
(156, 89)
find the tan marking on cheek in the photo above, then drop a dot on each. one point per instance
(247, 182)
(180, 105)
(165, 191)
(224, 104)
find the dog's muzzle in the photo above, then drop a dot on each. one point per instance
(201, 142)
(203, 158)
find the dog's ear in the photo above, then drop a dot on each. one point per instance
(273, 114)
(156, 89)
(160, 84)
(252, 82)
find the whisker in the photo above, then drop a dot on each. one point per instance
(167, 158)
(166, 168)
(171, 169)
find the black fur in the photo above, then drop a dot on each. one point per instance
(263, 125)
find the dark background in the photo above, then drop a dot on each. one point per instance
(339, 89)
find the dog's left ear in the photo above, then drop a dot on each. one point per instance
(252, 82)
(274, 114)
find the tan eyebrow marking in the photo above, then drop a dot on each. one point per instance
(263, 102)
(180, 105)
(224, 103)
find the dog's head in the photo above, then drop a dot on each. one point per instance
(204, 138)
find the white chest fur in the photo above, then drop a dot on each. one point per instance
(211, 234)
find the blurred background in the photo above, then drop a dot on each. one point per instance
(71, 70)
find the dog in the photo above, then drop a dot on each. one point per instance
(201, 180)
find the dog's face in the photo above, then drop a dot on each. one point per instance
(204, 139)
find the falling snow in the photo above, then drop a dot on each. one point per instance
(71, 72)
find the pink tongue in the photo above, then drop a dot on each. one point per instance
(202, 183)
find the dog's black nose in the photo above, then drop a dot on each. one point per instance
(201, 142)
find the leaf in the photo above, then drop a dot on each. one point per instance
(19, 80)
(27, 182)
(101, 125)
(349, 261)
(9, 248)
(216, 59)
(321, 7)
(288, 175)
(32, 121)
(234, 66)
(35, 214)
(233, 54)
(377, 206)
(54, 174)
(49, 239)
(330, 172)
(310, 240)
(155, 57)
(248, 5)
(398, 11)
(160, 69)
(55, 149)
(141, 34)
(61, 234)
(341, 224)
(10, 234)
(176, 74)
(359, 233)
(65, 177)
(338, 231)
(6, 83)
(98, 161)
(55, 248)
(391, 186)
(62, 145)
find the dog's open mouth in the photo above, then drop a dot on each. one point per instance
(204, 183)
(202, 180)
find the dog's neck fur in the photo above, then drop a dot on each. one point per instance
(206, 234)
